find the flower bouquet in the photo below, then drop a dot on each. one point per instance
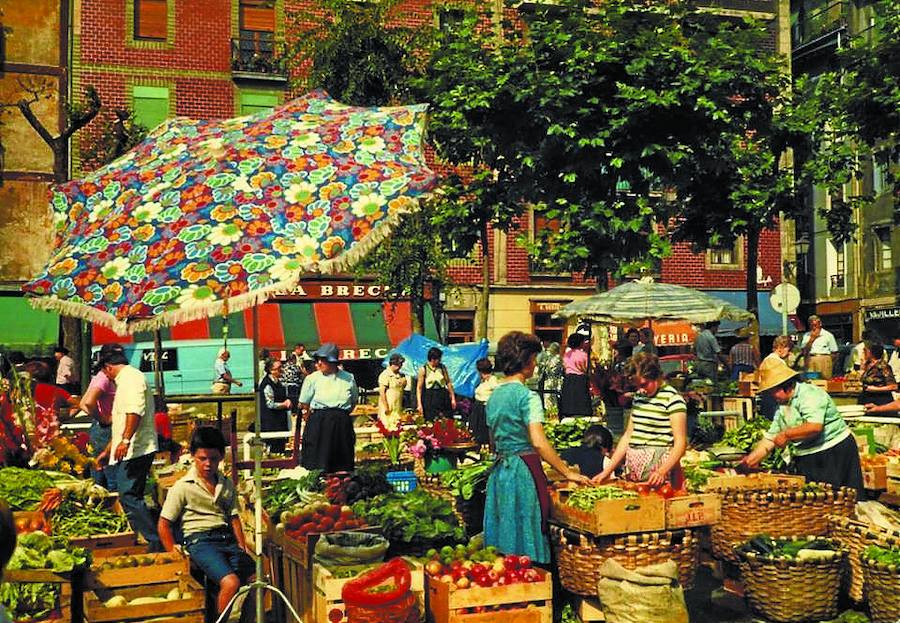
(390, 425)
(433, 438)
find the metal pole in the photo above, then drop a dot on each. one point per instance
(157, 365)
(257, 476)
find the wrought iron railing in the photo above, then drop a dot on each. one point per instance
(258, 55)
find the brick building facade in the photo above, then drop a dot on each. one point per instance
(218, 58)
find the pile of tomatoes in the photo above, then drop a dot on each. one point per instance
(665, 490)
(319, 519)
(460, 570)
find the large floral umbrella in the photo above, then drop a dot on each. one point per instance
(205, 217)
(646, 299)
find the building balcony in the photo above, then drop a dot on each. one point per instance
(255, 58)
(821, 27)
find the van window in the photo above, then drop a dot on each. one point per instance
(168, 359)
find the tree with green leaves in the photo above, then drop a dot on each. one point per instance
(357, 51)
(630, 125)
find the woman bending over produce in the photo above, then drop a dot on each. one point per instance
(824, 450)
(656, 437)
(518, 504)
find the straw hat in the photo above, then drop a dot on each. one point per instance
(774, 372)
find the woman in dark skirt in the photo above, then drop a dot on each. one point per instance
(877, 377)
(327, 397)
(434, 389)
(575, 399)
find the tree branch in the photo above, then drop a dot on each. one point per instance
(25, 108)
(82, 118)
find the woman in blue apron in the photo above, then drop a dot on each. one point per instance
(518, 501)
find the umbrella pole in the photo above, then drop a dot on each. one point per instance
(157, 365)
(257, 474)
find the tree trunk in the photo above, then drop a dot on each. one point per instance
(485, 283)
(752, 285)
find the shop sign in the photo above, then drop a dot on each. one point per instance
(547, 307)
(889, 313)
(346, 354)
(673, 333)
(334, 290)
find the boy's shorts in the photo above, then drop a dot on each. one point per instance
(217, 554)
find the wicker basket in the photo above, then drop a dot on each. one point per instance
(778, 513)
(882, 586)
(855, 536)
(788, 591)
(580, 555)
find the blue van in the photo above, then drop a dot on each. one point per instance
(189, 365)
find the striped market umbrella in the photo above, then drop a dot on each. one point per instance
(209, 217)
(648, 300)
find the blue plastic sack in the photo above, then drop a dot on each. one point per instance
(460, 360)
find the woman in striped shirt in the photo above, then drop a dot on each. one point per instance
(656, 437)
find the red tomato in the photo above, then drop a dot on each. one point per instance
(524, 562)
(666, 490)
(511, 562)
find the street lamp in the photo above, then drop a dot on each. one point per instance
(801, 247)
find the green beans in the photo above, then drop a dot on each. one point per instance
(585, 498)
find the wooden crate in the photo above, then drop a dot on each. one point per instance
(106, 541)
(68, 608)
(165, 483)
(328, 602)
(875, 477)
(642, 514)
(181, 610)
(893, 486)
(744, 406)
(755, 481)
(165, 567)
(446, 606)
(693, 510)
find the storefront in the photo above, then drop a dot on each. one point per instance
(884, 322)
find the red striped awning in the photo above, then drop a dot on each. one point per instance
(361, 330)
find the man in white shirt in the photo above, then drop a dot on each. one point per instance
(133, 444)
(65, 370)
(819, 348)
(894, 361)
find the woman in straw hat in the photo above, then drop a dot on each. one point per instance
(823, 448)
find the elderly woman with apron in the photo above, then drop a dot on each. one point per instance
(327, 397)
(656, 436)
(518, 503)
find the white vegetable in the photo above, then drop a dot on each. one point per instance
(173, 595)
(116, 602)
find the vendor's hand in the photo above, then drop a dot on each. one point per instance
(286, 404)
(419, 409)
(748, 462)
(600, 478)
(870, 406)
(238, 383)
(780, 440)
(103, 459)
(657, 477)
(577, 478)
(121, 451)
(453, 402)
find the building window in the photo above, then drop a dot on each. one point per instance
(151, 105)
(837, 264)
(879, 177)
(547, 328)
(884, 258)
(256, 44)
(449, 18)
(540, 266)
(151, 18)
(726, 257)
(460, 326)
(255, 101)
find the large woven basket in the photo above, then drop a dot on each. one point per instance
(778, 513)
(789, 591)
(855, 536)
(882, 587)
(580, 555)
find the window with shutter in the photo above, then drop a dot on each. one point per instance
(151, 105)
(151, 19)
